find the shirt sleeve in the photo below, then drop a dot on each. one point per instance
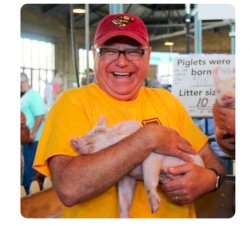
(67, 119)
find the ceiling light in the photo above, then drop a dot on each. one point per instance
(79, 10)
(168, 43)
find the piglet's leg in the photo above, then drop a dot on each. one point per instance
(151, 171)
(126, 188)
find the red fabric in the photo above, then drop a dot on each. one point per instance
(121, 25)
(56, 88)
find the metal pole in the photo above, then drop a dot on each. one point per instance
(232, 38)
(187, 20)
(73, 45)
(115, 8)
(197, 34)
(87, 40)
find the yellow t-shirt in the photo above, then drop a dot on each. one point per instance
(78, 110)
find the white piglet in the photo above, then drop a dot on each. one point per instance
(225, 88)
(102, 136)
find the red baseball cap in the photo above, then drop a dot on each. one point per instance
(121, 25)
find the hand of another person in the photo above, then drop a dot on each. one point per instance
(224, 118)
(25, 133)
(224, 135)
(32, 136)
(225, 141)
(23, 120)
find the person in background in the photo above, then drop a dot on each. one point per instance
(32, 105)
(24, 138)
(25, 132)
(52, 90)
(86, 184)
(224, 119)
(90, 79)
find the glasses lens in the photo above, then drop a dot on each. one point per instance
(109, 54)
(134, 54)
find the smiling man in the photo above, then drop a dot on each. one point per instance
(87, 184)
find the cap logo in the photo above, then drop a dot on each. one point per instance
(122, 21)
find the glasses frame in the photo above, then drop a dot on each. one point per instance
(119, 52)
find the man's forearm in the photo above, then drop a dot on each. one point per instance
(211, 160)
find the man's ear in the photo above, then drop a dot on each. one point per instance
(148, 55)
(93, 51)
(149, 51)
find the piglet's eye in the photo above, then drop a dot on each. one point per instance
(100, 130)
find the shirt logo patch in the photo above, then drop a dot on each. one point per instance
(151, 121)
(122, 21)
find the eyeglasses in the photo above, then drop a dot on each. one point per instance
(109, 54)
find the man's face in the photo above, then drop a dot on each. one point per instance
(121, 78)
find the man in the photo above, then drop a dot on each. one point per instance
(33, 107)
(86, 184)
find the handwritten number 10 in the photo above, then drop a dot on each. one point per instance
(202, 102)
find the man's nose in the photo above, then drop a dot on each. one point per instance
(122, 60)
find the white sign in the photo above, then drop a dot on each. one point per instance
(193, 82)
(215, 11)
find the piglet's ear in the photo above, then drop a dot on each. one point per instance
(233, 71)
(102, 121)
(215, 73)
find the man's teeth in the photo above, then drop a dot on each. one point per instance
(121, 74)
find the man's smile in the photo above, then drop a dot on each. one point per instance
(122, 74)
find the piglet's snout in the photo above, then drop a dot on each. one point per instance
(75, 144)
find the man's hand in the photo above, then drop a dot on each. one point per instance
(168, 142)
(188, 183)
